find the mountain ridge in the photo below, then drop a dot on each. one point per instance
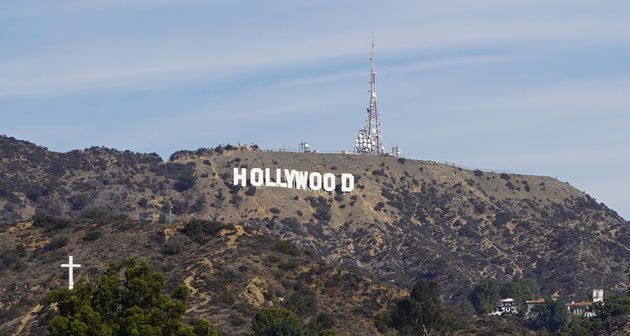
(406, 220)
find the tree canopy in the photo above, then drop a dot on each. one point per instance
(420, 313)
(276, 322)
(122, 306)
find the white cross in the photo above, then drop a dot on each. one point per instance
(70, 266)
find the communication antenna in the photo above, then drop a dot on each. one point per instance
(169, 217)
(370, 138)
(305, 147)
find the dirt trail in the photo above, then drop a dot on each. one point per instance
(27, 318)
(239, 232)
(194, 292)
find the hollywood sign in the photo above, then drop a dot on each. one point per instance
(292, 179)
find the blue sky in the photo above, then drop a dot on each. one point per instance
(532, 87)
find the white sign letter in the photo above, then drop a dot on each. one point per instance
(347, 182)
(240, 177)
(256, 177)
(290, 175)
(315, 181)
(268, 182)
(301, 180)
(329, 182)
(279, 178)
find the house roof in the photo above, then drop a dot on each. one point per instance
(536, 301)
(574, 304)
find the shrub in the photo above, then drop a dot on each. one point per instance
(103, 215)
(285, 247)
(478, 172)
(185, 181)
(274, 211)
(504, 176)
(501, 218)
(143, 202)
(321, 323)
(33, 193)
(92, 235)
(78, 201)
(20, 250)
(227, 297)
(9, 260)
(56, 243)
(379, 172)
(303, 303)
(276, 321)
(50, 223)
(96, 214)
(56, 169)
(322, 212)
(174, 245)
(251, 191)
(201, 230)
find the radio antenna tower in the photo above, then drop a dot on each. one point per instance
(370, 138)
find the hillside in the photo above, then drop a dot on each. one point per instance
(406, 219)
(231, 271)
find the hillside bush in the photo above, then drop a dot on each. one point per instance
(50, 223)
(322, 208)
(92, 235)
(251, 191)
(276, 322)
(201, 231)
(303, 304)
(10, 260)
(174, 245)
(378, 172)
(285, 247)
(78, 201)
(185, 180)
(57, 169)
(501, 218)
(56, 243)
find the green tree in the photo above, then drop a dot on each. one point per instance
(575, 327)
(553, 315)
(115, 306)
(484, 295)
(420, 313)
(322, 324)
(276, 322)
(186, 180)
(520, 291)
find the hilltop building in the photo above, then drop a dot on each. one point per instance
(584, 308)
(505, 306)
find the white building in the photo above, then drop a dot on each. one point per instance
(505, 306)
